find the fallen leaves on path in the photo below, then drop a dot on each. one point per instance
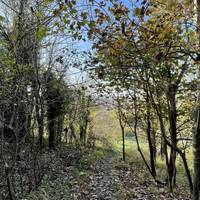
(125, 183)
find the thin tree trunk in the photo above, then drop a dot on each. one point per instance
(120, 118)
(11, 192)
(154, 144)
(149, 137)
(196, 134)
(173, 135)
(85, 128)
(59, 130)
(52, 130)
(40, 120)
(123, 144)
(72, 134)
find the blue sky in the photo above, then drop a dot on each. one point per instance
(77, 75)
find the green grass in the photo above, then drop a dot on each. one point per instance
(133, 158)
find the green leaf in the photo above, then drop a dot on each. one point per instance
(41, 32)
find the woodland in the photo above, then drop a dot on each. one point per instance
(99, 99)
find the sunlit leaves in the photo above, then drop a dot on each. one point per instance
(41, 33)
(118, 10)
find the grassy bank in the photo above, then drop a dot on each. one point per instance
(133, 158)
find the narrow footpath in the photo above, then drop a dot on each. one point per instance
(102, 184)
(121, 183)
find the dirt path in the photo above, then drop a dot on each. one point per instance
(109, 183)
(102, 184)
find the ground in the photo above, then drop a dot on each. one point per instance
(104, 177)
(121, 182)
(101, 186)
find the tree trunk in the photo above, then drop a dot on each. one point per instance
(11, 192)
(123, 144)
(120, 117)
(154, 144)
(196, 134)
(149, 137)
(173, 135)
(40, 118)
(72, 135)
(60, 125)
(52, 129)
(81, 134)
(158, 110)
(85, 128)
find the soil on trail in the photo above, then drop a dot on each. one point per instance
(102, 184)
(109, 182)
